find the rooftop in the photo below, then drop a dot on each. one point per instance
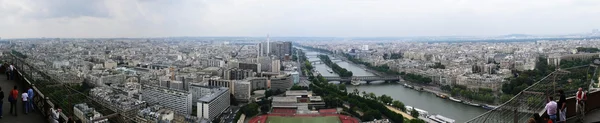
(285, 99)
(215, 92)
(297, 93)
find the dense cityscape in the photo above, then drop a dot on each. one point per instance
(289, 61)
(232, 80)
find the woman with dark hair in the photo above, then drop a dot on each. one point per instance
(562, 107)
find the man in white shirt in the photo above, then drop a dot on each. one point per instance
(25, 96)
(551, 107)
(12, 72)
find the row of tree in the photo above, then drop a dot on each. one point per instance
(416, 78)
(343, 72)
(482, 94)
(588, 49)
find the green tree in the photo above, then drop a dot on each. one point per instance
(505, 97)
(342, 87)
(385, 99)
(414, 113)
(372, 96)
(268, 93)
(250, 109)
(296, 87)
(399, 105)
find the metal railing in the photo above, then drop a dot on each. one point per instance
(532, 99)
(50, 91)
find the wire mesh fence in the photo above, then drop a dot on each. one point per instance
(532, 100)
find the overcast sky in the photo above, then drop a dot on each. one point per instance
(340, 18)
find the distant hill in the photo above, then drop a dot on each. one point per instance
(516, 36)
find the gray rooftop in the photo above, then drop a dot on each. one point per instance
(297, 93)
(285, 99)
(216, 91)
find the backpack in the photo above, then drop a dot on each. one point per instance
(10, 97)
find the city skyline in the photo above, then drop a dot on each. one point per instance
(256, 18)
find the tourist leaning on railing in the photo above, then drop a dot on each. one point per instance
(55, 114)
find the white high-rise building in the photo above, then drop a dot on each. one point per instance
(178, 100)
(365, 47)
(213, 102)
(275, 65)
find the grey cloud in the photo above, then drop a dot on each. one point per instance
(71, 9)
(150, 18)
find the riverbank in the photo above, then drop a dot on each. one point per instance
(421, 81)
(407, 116)
(437, 91)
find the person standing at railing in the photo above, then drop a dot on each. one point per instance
(12, 72)
(30, 94)
(562, 107)
(25, 98)
(551, 107)
(580, 103)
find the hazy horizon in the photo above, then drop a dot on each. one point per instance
(285, 18)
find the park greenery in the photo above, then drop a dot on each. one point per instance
(343, 72)
(588, 49)
(481, 94)
(388, 56)
(523, 79)
(416, 78)
(18, 54)
(250, 109)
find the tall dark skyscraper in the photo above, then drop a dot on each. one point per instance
(278, 48)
